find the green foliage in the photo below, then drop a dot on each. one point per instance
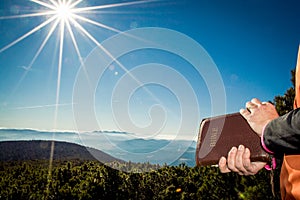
(285, 103)
(78, 179)
(93, 180)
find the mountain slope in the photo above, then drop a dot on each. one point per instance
(40, 150)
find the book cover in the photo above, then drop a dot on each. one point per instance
(217, 135)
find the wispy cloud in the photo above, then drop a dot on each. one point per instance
(43, 106)
(26, 68)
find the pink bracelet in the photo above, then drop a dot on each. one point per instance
(273, 162)
(273, 165)
(263, 143)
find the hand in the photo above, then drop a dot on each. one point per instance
(238, 160)
(259, 114)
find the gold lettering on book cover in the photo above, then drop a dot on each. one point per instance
(213, 137)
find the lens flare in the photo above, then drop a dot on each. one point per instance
(66, 16)
(64, 11)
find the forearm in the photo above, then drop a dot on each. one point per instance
(282, 135)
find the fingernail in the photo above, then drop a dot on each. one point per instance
(223, 160)
(247, 150)
(233, 149)
(241, 147)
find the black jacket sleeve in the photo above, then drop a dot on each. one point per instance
(282, 135)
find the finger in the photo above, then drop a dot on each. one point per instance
(245, 113)
(268, 104)
(251, 167)
(247, 162)
(223, 166)
(239, 160)
(231, 159)
(256, 101)
(256, 166)
(250, 104)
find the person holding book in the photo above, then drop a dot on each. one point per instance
(280, 136)
(258, 115)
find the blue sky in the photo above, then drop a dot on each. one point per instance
(253, 44)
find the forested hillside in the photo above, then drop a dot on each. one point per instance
(93, 180)
(76, 174)
(72, 177)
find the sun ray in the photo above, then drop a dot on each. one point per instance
(61, 46)
(113, 12)
(104, 26)
(77, 10)
(44, 43)
(75, 3)
(62, 31)
(78, 51)
(96, 23)
(36, 55)
(84, 31)
(76, 24)
(114, 59)
(68, 3)
(74, 41)
(44, 4)
(28, 34)
(54, 2)
(28, 15)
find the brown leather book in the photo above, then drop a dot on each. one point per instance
(219, 134)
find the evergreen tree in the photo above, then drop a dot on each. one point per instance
(285, 103)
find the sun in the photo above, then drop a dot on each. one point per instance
(64, 11)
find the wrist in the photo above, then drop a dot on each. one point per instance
(263, 142)
(272, 164)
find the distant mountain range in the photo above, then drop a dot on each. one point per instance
(40, 150)
(104, 145)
